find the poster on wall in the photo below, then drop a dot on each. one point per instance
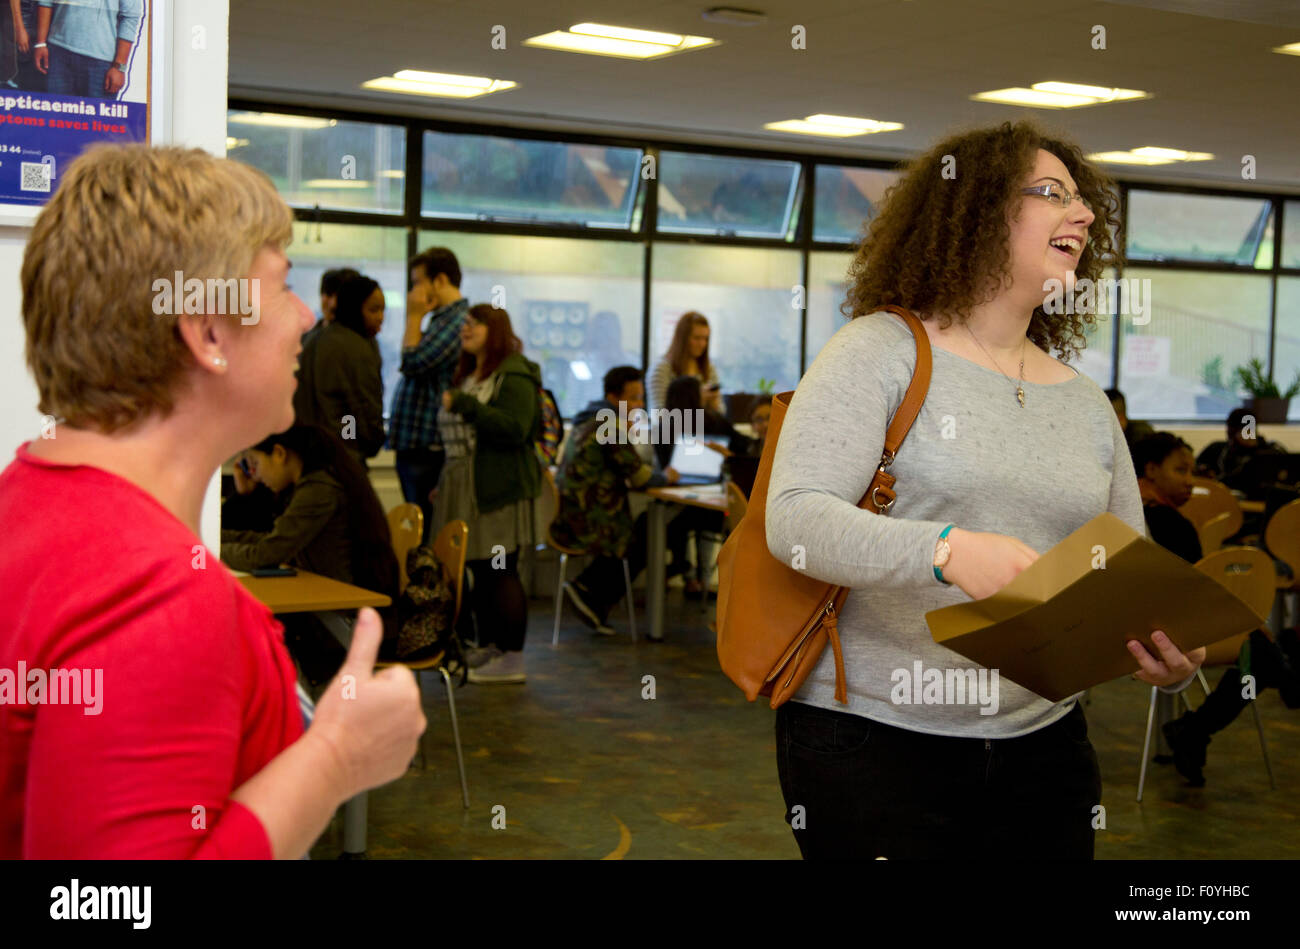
(73, 73)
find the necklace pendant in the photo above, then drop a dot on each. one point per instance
(1020, 396)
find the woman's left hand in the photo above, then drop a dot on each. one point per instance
(1170, 667)
(446, 400)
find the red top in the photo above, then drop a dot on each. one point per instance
(197, 690)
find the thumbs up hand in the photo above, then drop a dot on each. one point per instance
(372, 722)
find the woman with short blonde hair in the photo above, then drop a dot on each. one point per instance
(162, 334)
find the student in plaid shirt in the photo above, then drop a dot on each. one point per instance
(428, 360)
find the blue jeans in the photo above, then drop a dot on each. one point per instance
(72, 74)
(867, 790)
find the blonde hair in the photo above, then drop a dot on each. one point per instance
(124, 216)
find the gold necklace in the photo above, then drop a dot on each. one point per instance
(1020, 386)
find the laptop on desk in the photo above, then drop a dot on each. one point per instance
(696, 462)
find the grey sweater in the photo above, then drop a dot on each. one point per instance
(973, 458)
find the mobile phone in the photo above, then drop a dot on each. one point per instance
(243, 466)
(274, 572)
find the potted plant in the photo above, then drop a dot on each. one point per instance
(1267, 403)
(1220, 400)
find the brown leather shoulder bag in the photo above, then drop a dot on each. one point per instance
(773, 620)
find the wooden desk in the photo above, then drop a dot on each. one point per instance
(309, 593)
(711, 497)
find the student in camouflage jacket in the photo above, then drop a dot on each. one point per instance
(595, 474)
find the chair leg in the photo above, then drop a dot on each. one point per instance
(1263, 745)
(455, 734)
(1146, 745)
(559, 592)
(1204, 684)
(631, 605)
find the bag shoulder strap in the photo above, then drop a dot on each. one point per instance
(880, 494)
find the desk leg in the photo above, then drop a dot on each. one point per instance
(656, 539)
(354, 825)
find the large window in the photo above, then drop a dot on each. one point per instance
(749, 296)
(827, 284)
(735, 197)
(1202, 326)
(352, 166)
(846, 200)
(727, 238)
(576, 304)
(380, 254)
(1286, 359)
(490, 178)
(1192, 227)
(1291, 235)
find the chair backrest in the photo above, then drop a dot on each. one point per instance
(1282, 536)
(1215, 531)
(406, 524)
(737, 503)
(1246, 571)
(449, 547)
(1209, 498)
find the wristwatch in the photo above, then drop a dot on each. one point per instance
(941, 554)
(120, 67)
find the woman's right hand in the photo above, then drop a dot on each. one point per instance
(981, 564)
(371, 721)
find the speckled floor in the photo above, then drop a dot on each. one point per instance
(585, 767)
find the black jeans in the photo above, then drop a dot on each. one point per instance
(418, 470)
(867, 790)
(602, 581)
(499, 603)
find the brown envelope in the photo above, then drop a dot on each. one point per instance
(1061, 626)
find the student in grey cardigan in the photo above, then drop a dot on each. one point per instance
(1012, 451)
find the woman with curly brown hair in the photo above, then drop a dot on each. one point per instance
(1012, 451)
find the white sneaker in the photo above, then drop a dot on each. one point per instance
(507, 667)
(481, 655)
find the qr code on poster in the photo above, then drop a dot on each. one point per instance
(36, 176)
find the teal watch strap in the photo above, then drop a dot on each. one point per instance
(938, 571)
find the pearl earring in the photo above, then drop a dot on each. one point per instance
(219, 361)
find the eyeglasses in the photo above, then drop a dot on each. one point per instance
(1056, 193)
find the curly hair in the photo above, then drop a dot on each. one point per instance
(941, 243)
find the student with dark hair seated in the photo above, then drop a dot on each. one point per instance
(1226, 461)
(685, 398)
(1134, 429)
(1164, 464)
(594, 516)
(332, 524)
